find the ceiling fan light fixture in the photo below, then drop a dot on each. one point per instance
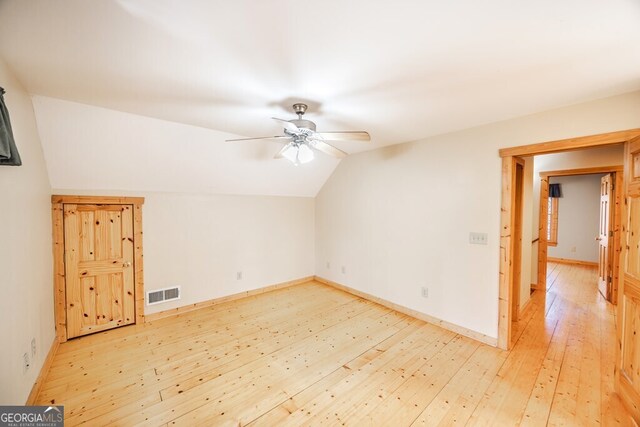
(291, 153)
(305, 154)
(298, 153)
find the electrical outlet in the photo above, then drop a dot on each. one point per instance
(573, 248)
(239, 275)
(344, 270)
(33, 348)
(425, 292)
(25, 363)
(328, 265)
(478, 238)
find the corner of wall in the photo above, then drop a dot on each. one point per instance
(25, 253)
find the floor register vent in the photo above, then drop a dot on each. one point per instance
(163, 295)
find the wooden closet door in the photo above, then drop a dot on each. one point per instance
(98, 267)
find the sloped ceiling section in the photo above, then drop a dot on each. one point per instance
(92, 148)
(401, 70)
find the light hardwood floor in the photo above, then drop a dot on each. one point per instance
(311, 354)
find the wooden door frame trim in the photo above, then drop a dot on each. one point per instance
(507, 213)
(583, 171)
(542, 223)
(506, 267)
(59, 284)
(570, 144)
(515, 287)
(542, 235)
(97, 200)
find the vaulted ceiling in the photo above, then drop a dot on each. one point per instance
(401, 70)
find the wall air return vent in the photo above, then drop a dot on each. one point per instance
(163, 295)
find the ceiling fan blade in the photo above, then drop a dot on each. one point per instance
(253, 139)
(327, 149)
(344, 136)
(287, 125)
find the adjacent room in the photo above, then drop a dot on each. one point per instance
(304, 212)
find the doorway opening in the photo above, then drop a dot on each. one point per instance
(565, 233)
(510, 158)
(624, 338)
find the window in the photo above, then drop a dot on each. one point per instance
(552, 221)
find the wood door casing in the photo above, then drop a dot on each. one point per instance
(605, 275)
(517, 239)
(99, 272)
(627, 379)
(542, 233)
(506, 208)
(617, 224)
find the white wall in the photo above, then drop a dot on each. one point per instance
(26, 306)
(201, 241)
(193, 235)
(398, 218)
(578, 217)
(594, 157)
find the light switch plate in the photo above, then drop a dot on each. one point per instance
(478, 238)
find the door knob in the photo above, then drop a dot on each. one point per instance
(127, 264)
(598, 238)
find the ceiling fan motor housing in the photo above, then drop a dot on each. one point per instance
(304, 124)
(300, 109)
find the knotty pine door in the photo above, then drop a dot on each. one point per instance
(99, 255)
(628, 351)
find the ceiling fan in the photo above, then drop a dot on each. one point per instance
(301, 138)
